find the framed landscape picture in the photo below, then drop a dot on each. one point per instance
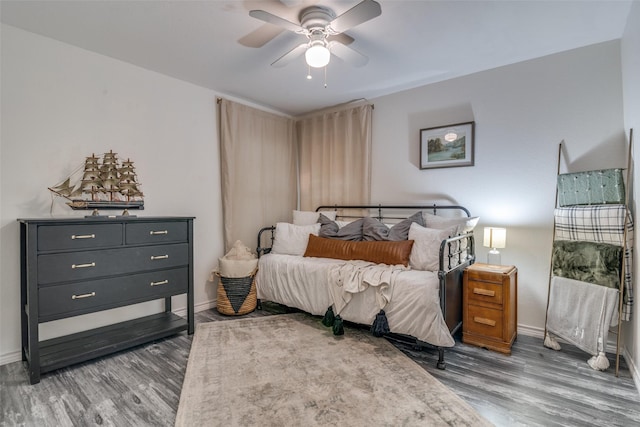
(447, 146)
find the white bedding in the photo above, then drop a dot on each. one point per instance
(414, 307)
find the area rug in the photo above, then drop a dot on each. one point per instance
(289, 370)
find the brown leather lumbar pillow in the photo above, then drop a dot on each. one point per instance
(379, 252)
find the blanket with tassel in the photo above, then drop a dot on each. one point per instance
(610, 224)
(581, 313)
(350, 278)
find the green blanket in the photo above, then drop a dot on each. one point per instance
(597, 263)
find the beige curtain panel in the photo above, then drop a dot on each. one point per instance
(258, 166)
(335, 157)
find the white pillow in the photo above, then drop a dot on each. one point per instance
(290, 239)
(440, 222)
(309, 217)
(425, 253)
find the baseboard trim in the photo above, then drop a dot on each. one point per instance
(206, 305)
(611, 348)
(14, 356)
(633, 369)
(531, 331)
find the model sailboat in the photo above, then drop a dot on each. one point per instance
(102, 183)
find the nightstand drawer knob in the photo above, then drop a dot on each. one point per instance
(484, 321)
(485, 292)
(155, 233)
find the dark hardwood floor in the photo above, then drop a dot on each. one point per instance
(534, 386)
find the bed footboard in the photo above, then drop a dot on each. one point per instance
(456, 254)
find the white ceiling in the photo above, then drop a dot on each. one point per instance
(411, 44)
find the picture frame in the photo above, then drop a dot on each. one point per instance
(447, 146)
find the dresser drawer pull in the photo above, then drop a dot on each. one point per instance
(484, 321)
(83, 236)
(92, 294)
(155, 257)
(91, 264)
(162, 282)
(485, 292)
(153, 233)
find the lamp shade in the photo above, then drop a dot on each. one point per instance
(317, 56)
(495, 237)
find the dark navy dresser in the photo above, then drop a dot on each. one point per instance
(77, 266)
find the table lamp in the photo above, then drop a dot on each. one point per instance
(494, 238)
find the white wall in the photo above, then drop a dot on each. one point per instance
(521, 112)
(60, 104)
(631, 85)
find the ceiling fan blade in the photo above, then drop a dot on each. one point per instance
(276, 20)
(362, 12)
(348, 55)
(260, 36)
(290, 56)
(341, 38)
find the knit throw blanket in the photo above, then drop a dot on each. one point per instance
(601, 224)
(353, 277)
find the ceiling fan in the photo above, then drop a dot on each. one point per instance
(325, 33)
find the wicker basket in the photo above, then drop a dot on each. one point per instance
(237, 295)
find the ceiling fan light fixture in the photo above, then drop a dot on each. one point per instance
(317, 56)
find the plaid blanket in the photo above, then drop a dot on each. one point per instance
(601, 224)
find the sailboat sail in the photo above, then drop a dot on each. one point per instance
(102, 182)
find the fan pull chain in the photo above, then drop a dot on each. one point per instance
(325, 77)
(309, 72)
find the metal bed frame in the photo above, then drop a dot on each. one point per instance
(451, 264)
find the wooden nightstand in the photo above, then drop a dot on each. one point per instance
(490, 306)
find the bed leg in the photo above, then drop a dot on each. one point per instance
(441, 364)
(259, 304)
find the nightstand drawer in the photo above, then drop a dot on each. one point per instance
(80, 236)
(484, 321)
(67, 300)
(485, 292)
(490, 306)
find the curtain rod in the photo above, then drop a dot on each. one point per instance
(219, 100)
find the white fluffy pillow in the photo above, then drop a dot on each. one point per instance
(309, 217)
(464, 224)
(291, 239)
(425, 253)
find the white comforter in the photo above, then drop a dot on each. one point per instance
(413, 307)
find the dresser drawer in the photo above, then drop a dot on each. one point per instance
(68, 300)
(156, 232)
(484, 292)
(80, 236)
(72, 266)
(484, 321)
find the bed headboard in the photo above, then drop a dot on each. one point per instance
(392, 213)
